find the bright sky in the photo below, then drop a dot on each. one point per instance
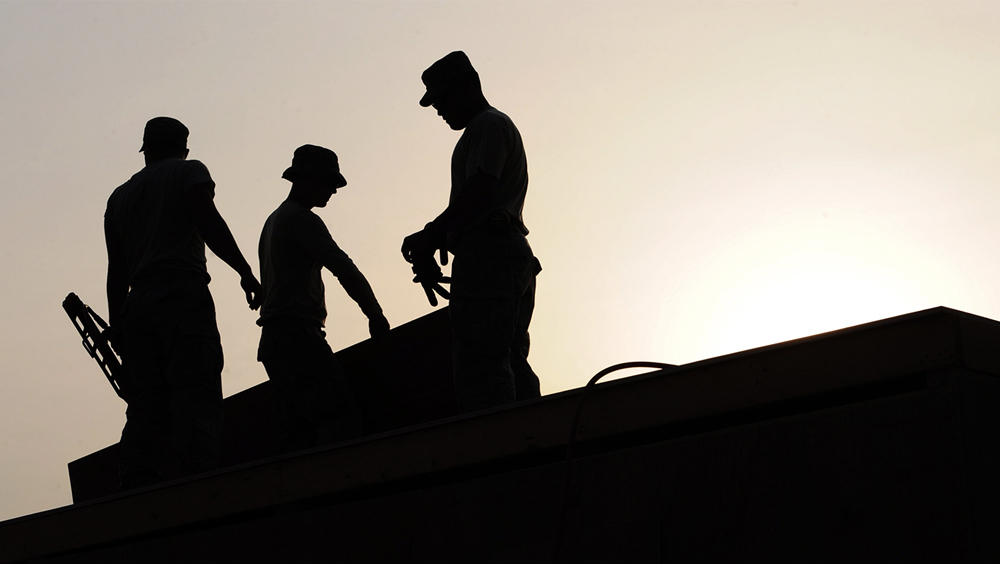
(706, 177)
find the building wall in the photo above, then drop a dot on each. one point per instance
(907, 477)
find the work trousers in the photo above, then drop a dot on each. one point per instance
(492, 299)
(172, 378)
(312, 396)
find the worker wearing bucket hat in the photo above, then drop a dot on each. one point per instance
(313, 396)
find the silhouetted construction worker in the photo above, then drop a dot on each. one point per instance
(493, 276)
(156, 227)
(312, 394)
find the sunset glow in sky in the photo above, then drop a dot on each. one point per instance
(706, 177)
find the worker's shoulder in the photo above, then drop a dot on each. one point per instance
(293, 215)
(179, 172)
(169, 171)
(492, 115)
(119, 193)
(491, 121)
(192, 170)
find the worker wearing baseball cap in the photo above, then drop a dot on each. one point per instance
(162, 315)
(493, 275)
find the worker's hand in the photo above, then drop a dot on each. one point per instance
(416, 245)
(251, 287)
(378, 326)
(114, 338)
(425, 242)
(428, 274)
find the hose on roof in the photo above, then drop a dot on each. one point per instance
(572, 441)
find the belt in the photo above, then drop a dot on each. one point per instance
(501, 221)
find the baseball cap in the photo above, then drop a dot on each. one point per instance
(164, 133)
(440, 76)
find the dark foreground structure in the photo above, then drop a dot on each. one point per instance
(875, 443)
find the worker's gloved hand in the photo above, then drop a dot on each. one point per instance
(425, 242)
(429, 275)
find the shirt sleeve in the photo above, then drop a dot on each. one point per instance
(196, 173)
(489, 145)
(315, 238)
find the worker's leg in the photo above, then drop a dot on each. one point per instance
(142, 448)
(172, 367)
(194, 373)
(486, 294)
(526, 383)
(313, 397)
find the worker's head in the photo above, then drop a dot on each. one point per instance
(453, 88)
(315, 175)
(164, 137)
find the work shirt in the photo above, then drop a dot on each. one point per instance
(492, 144)
(294, 247)
(148, 217)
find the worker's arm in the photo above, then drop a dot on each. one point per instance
(357, 287)
(117, 283)
(469, 207)
(219, 238)
(314, 236)
(485, 149)
(473, 202)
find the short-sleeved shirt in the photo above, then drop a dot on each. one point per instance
(148, 215)
(492, 144)
(294, 247)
